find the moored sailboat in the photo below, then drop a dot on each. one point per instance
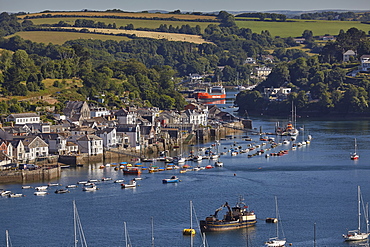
(357, 235)
(354, 155)
(276, 241)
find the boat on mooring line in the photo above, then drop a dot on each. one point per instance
(236, 217)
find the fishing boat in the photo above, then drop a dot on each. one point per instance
(357, 235)
(215, 92)
(276, 241)
(354, 155)
(236, 217)
(131, 184)
(173, 179)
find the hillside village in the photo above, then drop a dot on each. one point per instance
(89, 131)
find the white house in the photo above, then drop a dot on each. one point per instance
(133, 133)
(23, 118)
(365, 62)
(57, 142)
(262, 71)
(348, 54)
(109, 136)
(196, 117)
(96, 111)
(90, 144)
(30, 148)
(278, 93)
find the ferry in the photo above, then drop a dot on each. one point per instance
(236, 217)
(215, 92)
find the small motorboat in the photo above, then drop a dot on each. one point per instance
(15, 195)
(106, 179)
(40, 188)
(26, 187)
(5, 193)
(61, 191)
(119, 181)
(131, 184)
(53, 184)
(93, 180)
(40, 193)
(219, 163)
(71, 186)
(82, 182)
(173, 179)
(90, 188)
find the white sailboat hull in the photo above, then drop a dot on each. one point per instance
(275, 243)
(356, 236)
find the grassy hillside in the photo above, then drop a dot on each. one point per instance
(296, 28)
(61, 37)
(122, 22)
(134, 15)
(69, 87)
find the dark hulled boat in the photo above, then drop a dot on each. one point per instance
(236, 217)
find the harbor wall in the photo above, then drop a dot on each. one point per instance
(80, 159)
(20, 176)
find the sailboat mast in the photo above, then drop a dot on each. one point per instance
(7, 238)
(277, 217)
(359, 208)
(124, 226)
(74, 224)
(191, 223)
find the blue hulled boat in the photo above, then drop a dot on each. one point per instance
(173, 179)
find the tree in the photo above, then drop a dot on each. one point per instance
(308, 35)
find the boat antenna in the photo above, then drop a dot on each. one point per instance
(314, 234)
(152, 219)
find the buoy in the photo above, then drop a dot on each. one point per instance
(234, 174)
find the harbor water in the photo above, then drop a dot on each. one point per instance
(314, 184)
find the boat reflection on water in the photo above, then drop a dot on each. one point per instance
(215, 102)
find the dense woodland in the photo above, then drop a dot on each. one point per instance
(148, 72)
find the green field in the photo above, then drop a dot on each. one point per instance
(61, 37)
(123, 22)
(295, 29)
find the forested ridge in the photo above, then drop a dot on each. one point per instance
(147, 71)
